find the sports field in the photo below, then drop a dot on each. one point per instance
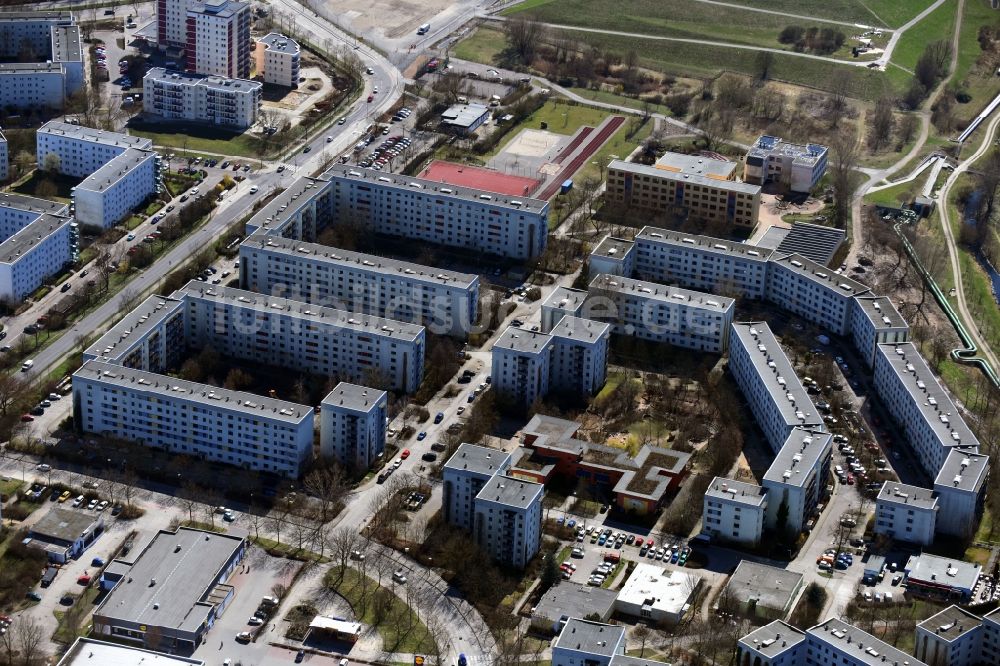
(480, 178)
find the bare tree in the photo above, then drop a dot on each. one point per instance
(844, 149)
(29, 634)
(882, 123)
(329, 484)
(523, 37)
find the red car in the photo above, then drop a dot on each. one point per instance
(638, 542)
(850, 479)
(83, 580)
(405, 454)
(370, 98)
(27, 417)
(651, 543)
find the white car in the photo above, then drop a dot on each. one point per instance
(255, 621)
(253, 190)
(399, 576)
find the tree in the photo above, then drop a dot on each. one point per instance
(329, 484)
(907, 129)
(844, 150)
(932, 66)
(52, 163)
(23, 162)
(550, 572)
(238, 379)
(523, 36)
(882, 122)
(642, 632)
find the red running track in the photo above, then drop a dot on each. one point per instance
(574, 144)
(574, 165)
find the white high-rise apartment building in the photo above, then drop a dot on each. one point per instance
(277, 59)
(196, 420)
(4, 158)
(52, 68)
(508, 520)
(797, 478)
(930, 421)
(832, 642)
(38, 239)
(444, 301)
(734, 512)
(218, 38)
(952, 637)
(521, 365)
(83, 150)
(906, 513)
(875, 321)
(464, 475)
(961, 488)
(764, 374)
(652, 311)
(352, 425)
(303, 337)
(180, 96)
(150, 337)
(171, 23)
(438, 213)
(812, 291)
(111, 193)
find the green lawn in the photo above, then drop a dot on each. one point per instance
(890, 195)
(222, 143)
(890, 13)
(398, 624)
(611, 98)
(9, 486)
(565, 117)
(483, 45)
(671, 18)
(939, 24)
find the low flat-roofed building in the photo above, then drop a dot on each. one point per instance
(92, 652)
(566, 600)
(331, 628)
(464, 118)
(797, 166)
(762, 591)
(612, 256)
(561, 302)
(952, 637)
(961, 490)
(699, 186)
(168, 594)
(655, 594)
(941, 577)
(775, 644)
(587, 643)
(65, 533)
(906, 513)
(734, 512)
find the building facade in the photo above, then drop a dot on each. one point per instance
(430, 211)
(952, 637)
(441, 300)
(796, 480)
(115, 190)
(906, 513)
(352, 425)
(196, 420)
(37, 240)
(699, 187)
(79, 151)
(276, 58)
(734, 512)
(874, 321)
(812, 291)
(798, 167)
(4, 159)
(184, 97)
(961, 489)
(464, 475)
(49, 47)
(217, 38)
(508, 520)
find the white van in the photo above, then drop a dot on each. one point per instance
(27, 365)
(424, 29)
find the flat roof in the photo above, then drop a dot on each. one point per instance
(367, 262)
(354, 397)
(250, 300)
(66, 43)
(92, 652)
(770, 586)
(218, 83)
(33, 204)
(105, 137)
(820, 274)
(861, 646)
(172, 387)
(567, 599)
(277, 42)
(774, 638)
(133, 327)
(40, 16)
(707, 178)
(943, 571)
(805, 153)
(740, 492)
(696, 164)
(593, 638)
(580, 329)
(613, 248)
(906, 495)
(934, 403)
(332, 623)
(18, 245)
(657, 587)
(801, 452)
(511, 492)
(881, 312)
(477, 459)
(276, 213)
(114, 170)
(662, 293)
(185, 566)
(813, 241)
(522, 341)
(31, 68)
(706, 243)
(464, 115)
(543, 425)
(777, 374)
(565, 298)
(951, 623)
(964, 470)
(434, 188)
(64, 524)
(223, 8)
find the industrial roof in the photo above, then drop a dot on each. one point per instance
(771, 587)
(140, 381)
(800, 454)
(964, 470)
(708, 176)
(593, 638)
(354, 397)
(662, 293)
(861, 646)
(934, 403)
(893, 492)
(942, 571)
(706, 243)
(478, 460)
(166, 583)
(464, 115)
(741, 492)
(773, 639)
(104, 137)
(511, 492)
(92, 652)
(813, 241)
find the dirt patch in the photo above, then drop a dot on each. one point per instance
(392, 18)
